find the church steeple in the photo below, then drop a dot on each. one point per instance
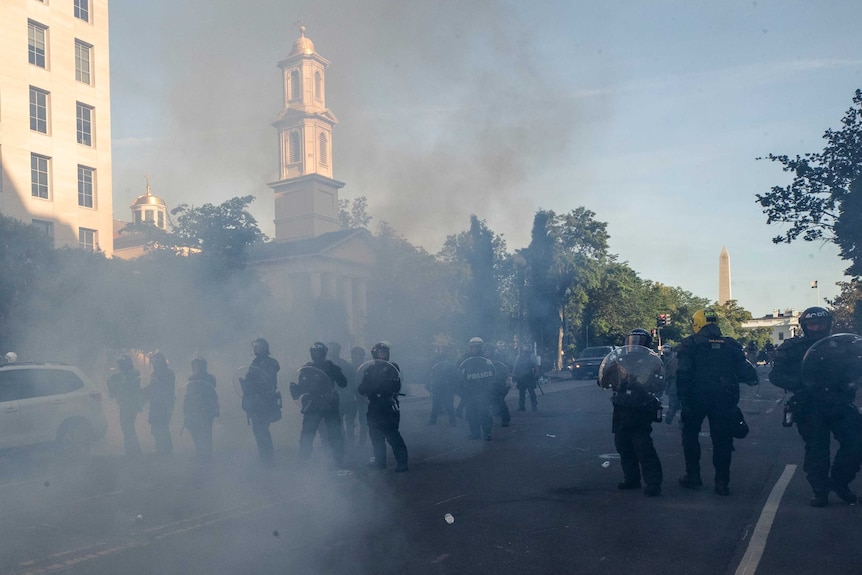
(306, 196)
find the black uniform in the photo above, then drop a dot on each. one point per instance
(162, 395)
(670, 366)
(125, 387)
(444, 382)
(524, 374)
(261, 401)
(380, 382)
(321, 405)
(501, 389)
(709, 370)
(200, 407)
(477, 392)
(820, 410)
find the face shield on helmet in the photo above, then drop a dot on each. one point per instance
(380, 351)
(199, 365)
(816, 322)
(318, 352)
(702, 317)
(639, 336)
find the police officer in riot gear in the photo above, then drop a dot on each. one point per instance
(260, 397)
(525, 373)
(348, 398)
(710, 367)
(380, 382)
(444, 382)
(357, 358)
(125, 387)
(635, 408)
(200, 407)
(162, 394)
(316, 388)
(501, 383)
(477, 389)
(820, 410)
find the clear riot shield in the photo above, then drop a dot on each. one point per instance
(633, 370)
(383, 371)
(834, 362)
(312, 384)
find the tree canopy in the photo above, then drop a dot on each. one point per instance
(824, 200)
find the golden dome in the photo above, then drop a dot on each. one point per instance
(148, 200)
(302, 45)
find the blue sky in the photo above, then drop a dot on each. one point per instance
(650, 114)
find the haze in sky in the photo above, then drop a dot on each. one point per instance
(650, 114)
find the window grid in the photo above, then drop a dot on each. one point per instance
(85, 124)
(82, 10)
(82, 61)
(38, 110)
(36, 44)
(294, 153)
(39, 166)
(85, 186)
(323, 149)
(87, 239)
(295, 93)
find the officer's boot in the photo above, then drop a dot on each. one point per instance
(691, 480)
(820, 499)
(843, 492)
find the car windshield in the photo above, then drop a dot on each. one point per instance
(596, 351)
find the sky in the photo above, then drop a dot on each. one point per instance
(650, 114)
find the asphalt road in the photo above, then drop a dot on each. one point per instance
(541, 497)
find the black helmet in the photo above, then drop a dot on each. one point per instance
(200, 363)
(639, 336)
(816, 322)
(318, 351)
(380, 351)
(260, 344)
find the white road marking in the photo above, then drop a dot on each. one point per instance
(757, 543)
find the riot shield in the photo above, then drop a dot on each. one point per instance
(386, 375)
(312, 384)
(478, 375)
(834, 362)
(632, 368)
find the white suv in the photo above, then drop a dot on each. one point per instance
(49, 403)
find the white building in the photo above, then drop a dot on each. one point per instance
(55, 119)
(784, 324)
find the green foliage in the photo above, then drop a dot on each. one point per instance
(824, 200)
(847, 308)
(354, 215)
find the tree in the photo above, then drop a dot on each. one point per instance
(847, 308)
(354, 215)
(824, 200)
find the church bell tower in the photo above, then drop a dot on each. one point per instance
(306, 195)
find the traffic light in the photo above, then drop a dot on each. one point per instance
(661, 320)
(654, 332)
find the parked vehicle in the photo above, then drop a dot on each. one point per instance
(587, 364)
(49, 403)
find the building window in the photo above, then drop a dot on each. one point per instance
(161, 223)
(38, 110)
(149, 217)
(137, 216)
(780, 336)
(318, 86)
(85, 186)
(294, 144)
(295, 92)
(82, 10)
(46, 228)
(323, 149)
(85, 124)
(87, 239)
(39, 172)
(36, 42)
(82, 61)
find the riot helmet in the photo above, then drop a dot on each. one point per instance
(158, 360)
(10, 357)
(357, 354)
(318, 352)
(124, 362)
(639, 336)
(816, 323)
(475, 345)
(260, 347)
(702, 317)
(380, 351)
(199, 365)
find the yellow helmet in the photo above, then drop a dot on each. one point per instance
(702, 317)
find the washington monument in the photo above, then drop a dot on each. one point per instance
(724, 277)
